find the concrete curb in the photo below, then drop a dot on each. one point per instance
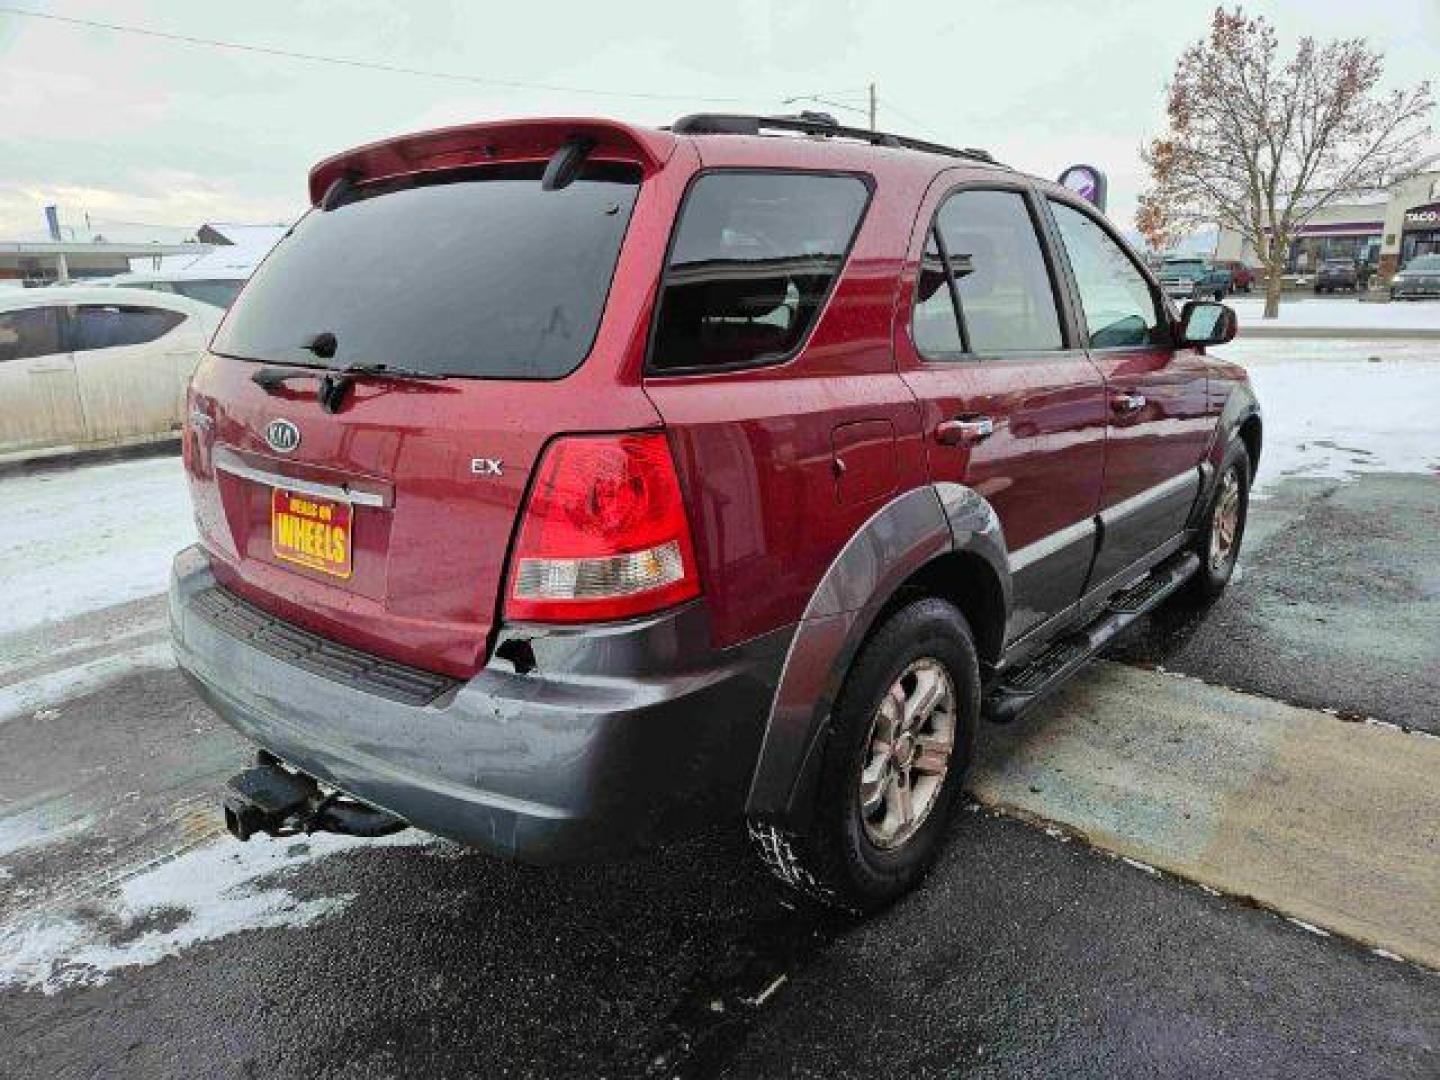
(1331, 823)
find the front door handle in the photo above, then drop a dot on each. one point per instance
(964, 430)
(1127, 404)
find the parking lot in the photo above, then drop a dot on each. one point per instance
(1142, 886)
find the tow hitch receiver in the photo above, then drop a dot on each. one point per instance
(271, 799)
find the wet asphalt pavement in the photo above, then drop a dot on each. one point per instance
(1023, 957)
(1025, 954)
(1338, 606)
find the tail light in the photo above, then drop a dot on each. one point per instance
(604, 535)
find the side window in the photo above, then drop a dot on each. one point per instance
(1120, 308)
(1007, 302)
(753, 258)
(937, 330)
(108, 326)
(30, 332)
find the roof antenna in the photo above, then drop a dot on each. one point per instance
(564, 164)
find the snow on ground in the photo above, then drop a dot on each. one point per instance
(1338, 409)
(76, 540)
(1337, 313)
(33, 696)
(206, 893)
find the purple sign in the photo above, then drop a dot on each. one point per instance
(1086, 181)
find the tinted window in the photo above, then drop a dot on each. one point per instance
(1119, 307)
(108, 326)
(30, 332)
(1006, 298)
(473, 272)
(753, 258)
(936, 328)
(219, 293)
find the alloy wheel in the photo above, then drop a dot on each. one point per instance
(1225, 523)
(908, 751)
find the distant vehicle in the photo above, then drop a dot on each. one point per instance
(1242, 278)
(1337, 274)
(217, 291)
(1189, 277)
(1419, 279)
(84, 367)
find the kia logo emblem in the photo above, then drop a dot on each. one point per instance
(282, 435)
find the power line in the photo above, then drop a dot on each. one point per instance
(350, 62)
(911, 118)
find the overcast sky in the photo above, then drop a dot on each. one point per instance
(133, 129)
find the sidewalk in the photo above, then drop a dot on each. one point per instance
(1332, 823)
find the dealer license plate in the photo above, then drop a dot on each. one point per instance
(311, 531)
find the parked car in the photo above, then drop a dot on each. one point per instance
(554, 560)
(1186, 277)
(208, 289)
(84, 367)
(1337, 274)
(1419, 279)
(1242, 278)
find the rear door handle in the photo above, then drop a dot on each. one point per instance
(1126, 404)
(964, 430)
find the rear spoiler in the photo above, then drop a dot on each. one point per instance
(503, 140)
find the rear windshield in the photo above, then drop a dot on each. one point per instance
(473, 272)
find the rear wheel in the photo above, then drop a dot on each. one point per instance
(1217, 540)
(902, 737)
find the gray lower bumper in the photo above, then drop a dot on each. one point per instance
(620, 736)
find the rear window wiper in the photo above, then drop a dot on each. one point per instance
(335, 381)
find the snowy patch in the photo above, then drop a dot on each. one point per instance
(41, 825)
(1334, 313)
(33, 697)
(1333, 413)
(207, 893)
(77, 540)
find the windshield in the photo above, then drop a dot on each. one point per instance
(1425, 264)
(474, 272)
(220, 293)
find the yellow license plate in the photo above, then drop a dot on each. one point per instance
(311, 532)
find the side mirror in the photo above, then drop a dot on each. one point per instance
(1205, 323)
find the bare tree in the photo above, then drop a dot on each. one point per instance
(1260, 144)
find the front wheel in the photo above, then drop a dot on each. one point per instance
(902, 736)
(1217, 540)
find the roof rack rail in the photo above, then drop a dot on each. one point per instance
(814, 123)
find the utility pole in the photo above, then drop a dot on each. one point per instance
(872, 106)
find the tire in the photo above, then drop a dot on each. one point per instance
(858, 862)
(1219, 295)
(1217, 556)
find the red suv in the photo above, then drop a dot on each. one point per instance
(564, 485)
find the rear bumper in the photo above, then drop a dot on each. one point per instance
(618, 737)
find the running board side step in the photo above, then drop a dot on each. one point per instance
(1023, 687)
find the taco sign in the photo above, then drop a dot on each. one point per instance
(1423, 217)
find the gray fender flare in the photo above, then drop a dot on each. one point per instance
(903, 536)
(1240, 406)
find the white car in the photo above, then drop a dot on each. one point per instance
(84, 367)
